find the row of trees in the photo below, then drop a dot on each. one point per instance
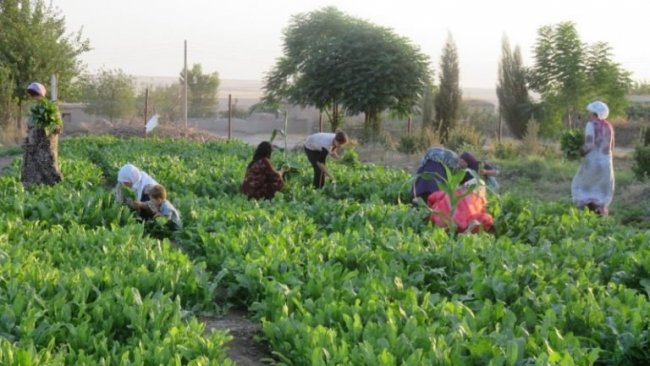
(337, 63)
(112, 93)
(34, 44)
(345, 66)
(567, 73)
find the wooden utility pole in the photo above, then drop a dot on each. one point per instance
(185, 73)
(408, 125)
(229, 116)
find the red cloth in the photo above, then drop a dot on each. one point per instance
(470, 210)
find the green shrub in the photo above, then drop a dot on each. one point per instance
(351, 157)
(550, 151)
(571, 142)
(646, 137)
(464, 138)
(641, 166)
(505, 150)
(415, 143)
(385, 139)
(530, 143)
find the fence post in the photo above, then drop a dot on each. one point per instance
(146, 105)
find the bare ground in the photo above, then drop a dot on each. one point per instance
(244, 349)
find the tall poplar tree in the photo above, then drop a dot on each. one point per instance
(448, 99)
(512, 91)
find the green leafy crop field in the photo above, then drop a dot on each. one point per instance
(349, 275)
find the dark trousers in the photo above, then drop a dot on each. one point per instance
(314, 158)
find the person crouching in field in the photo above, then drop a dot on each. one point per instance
(470, 214)
(137, 182)
(159, 206)
(593, 185)
(317, 147)
(488, 172)
(261, 179)
(432, 171)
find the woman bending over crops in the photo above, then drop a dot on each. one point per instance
(261, 179)
(317, 147)
(593, 185)
(470, 214)
(138, 183)
(432, 171)
(487, 172)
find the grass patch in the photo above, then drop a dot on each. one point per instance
(10, 150)
(546, 179)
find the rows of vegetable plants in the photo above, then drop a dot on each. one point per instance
(346, 275)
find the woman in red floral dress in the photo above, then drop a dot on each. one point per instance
(261, 179)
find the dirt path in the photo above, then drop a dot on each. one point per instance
(244, 349)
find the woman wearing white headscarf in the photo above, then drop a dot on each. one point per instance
(138, 181)
(593, 184)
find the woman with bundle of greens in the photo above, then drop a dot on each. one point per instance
(40, 161)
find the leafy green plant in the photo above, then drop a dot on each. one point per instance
(414, 143)
(464, 137)
(46, 115)
(505, 150)
(351, 158)
(641, 167)
(571, 143)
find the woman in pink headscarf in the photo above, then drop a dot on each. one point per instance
(593, 185)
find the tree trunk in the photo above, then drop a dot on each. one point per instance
(41, 158)
(19, 117)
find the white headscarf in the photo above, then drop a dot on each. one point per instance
(139, 179)
(599, 108)
(38, 88)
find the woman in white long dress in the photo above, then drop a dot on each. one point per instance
(593, 185)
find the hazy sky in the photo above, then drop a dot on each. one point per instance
(241, 39)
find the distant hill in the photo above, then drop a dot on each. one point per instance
(247, 91)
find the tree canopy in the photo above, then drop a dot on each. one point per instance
(34, 45)
(512, 91)
(569, 73)
(448, 100)
(164, 101)
(333, 61)
(202, 92)
(110, 93)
